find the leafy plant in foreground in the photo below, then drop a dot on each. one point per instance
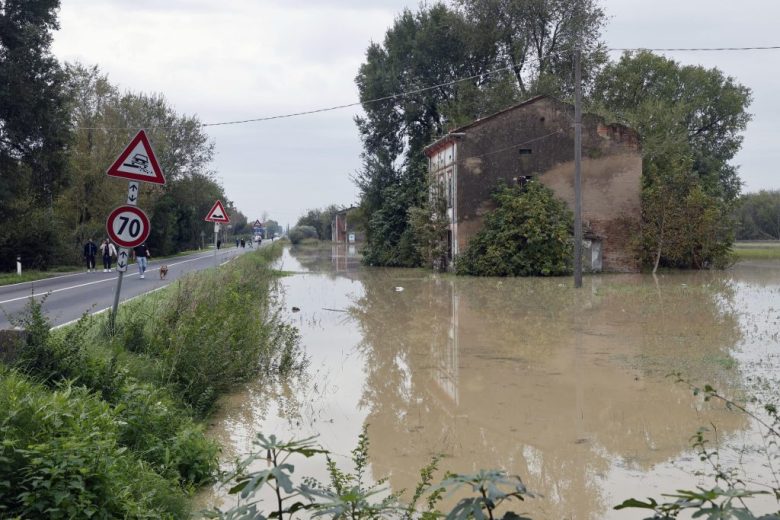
(347, 496)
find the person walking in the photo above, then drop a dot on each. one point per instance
(90, 250)
(243, 243)
(141, 254)
(108, 250)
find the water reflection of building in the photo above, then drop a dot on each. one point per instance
(344, 257)
(445, 356)
(495, 374)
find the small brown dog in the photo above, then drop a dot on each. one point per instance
(163, 272)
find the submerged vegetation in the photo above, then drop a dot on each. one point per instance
(526, 235)
(108, 425)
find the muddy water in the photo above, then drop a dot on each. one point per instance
(565, 388)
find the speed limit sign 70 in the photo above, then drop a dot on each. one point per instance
(128, 226)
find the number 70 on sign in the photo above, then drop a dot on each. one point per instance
(128, 226)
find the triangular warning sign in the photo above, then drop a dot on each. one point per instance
(138, 162)
(258, 223)
(218, 214)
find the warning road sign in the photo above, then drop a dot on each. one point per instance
(218, 214)
(128, 226)
(138, 162)
(258, 223)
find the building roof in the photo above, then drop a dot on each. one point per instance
(436, 145)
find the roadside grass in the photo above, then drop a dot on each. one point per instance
(757, 250)
(34, 275)
(141, 391)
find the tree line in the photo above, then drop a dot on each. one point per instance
(689, 118)
(61, 126)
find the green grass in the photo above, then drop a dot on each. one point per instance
(31, 275)
(757, 250)
(120, 414)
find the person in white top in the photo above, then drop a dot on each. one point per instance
(108, 251)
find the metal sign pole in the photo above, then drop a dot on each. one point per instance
(216, 234)
(123, 255)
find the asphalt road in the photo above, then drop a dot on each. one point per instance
(71, 295)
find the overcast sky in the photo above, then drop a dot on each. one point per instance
(239, 59)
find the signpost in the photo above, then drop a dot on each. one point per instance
(217, 215)
(127, 225)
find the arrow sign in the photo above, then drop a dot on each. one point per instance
(137, 162)
(217, 214)
(121, 263)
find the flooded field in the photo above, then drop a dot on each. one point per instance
(566, 388)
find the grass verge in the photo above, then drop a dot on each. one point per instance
(758, 250)
(109, 422)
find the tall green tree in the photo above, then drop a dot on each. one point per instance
(34, 131)
(536, 39)
(690, 118)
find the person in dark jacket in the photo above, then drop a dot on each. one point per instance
(141, 254)
(90, 250)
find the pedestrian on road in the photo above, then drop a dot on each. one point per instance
(141, 254)
(219, 243)
(108, 250)
(236, 242)
(90, 250)
(243, 243)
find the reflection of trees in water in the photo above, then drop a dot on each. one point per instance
(499, 374)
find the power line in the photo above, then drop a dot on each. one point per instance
(487, 73)
(451, 83)
(698, 49)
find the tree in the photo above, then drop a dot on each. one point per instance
(34, 131)
(758, 216)
(536, 40)
(320, 220)
(528, 234)
(690, 121)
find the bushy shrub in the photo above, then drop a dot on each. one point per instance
(60, 457)
(154, 426)
(151, 423)
(301, 233)
(217, 329)
(528, 234)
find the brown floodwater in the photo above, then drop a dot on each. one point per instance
(566, 388)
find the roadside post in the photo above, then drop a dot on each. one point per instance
(19, 265)
(217, 215)
(128, 226)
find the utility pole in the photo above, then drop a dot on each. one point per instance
(577, 166)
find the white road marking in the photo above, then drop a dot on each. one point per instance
(101, 311)
(70, 275)
(95, 282)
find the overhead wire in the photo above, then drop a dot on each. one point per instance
(447, 84)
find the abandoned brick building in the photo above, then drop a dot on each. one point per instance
(535, 141)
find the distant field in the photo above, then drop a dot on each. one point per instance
(757, 250)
